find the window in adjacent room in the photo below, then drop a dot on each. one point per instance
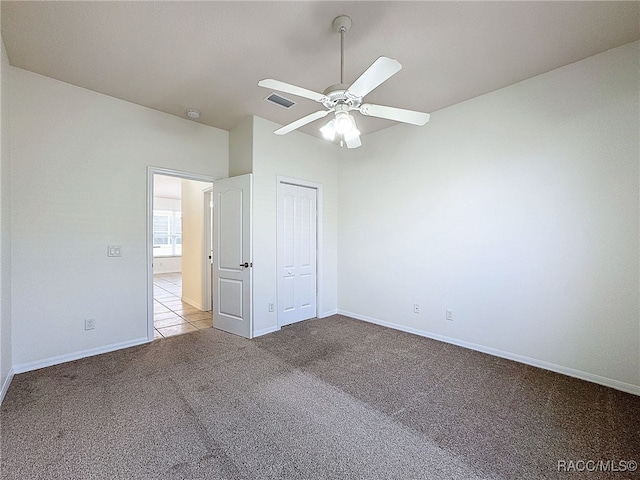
(167, 233)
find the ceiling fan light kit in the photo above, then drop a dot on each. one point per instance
(340, 99)
(344, 123)
(329, 131)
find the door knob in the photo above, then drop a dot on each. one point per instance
(245, 264)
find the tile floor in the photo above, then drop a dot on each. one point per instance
(172, 316)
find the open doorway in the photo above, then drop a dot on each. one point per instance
(179, 258)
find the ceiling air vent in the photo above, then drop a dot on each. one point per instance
(280, 101)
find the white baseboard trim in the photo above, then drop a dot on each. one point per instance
(5, 385)
(168, 270)
(589, 377)
(328, 314)
(69, 357)
(193, 303)
(264, 331)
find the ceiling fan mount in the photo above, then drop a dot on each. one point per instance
(342, 98)
(342, 23)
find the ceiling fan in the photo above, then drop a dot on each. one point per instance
(340, 99)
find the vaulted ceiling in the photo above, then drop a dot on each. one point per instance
(172, 56)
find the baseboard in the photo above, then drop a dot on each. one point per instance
(328, 314)
(5, 385)
(193, 303)
(264, 331)
(589, 377)
(48, 362)
(163, 272)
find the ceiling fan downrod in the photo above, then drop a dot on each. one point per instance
(341, 25)
(342, 55)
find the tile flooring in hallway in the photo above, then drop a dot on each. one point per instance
(172, 316)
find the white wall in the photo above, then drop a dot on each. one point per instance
(171, 204)
(518, 210)
(167, 265)
(79, 182)
(301, 157)
(241, 148)
(193, 242)
(5, 228)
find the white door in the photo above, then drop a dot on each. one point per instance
(296, 253)
(232, 263)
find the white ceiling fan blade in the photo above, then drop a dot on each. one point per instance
(292, 89)
(302, 121)
(379, 71)
(397, 114)
(352, 141)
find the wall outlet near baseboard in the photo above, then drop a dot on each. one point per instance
(449, 315)
(416, 308)
(89, 323)
(271, 307)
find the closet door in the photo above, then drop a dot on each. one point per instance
(296, 253)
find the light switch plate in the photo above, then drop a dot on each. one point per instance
(114, 251)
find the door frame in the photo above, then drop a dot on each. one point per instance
(151, 171)
(319, 235)
(207, 256)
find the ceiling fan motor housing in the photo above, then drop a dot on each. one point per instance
(338, 94)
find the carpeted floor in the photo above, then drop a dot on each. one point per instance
(331, 398)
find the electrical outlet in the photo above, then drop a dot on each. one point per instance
(449, 315)
(271, 307)
(89, 323)
(416, 308)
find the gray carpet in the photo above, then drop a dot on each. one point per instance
(327, 398)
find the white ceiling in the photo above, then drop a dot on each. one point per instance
(165, 186)
(172, 56)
